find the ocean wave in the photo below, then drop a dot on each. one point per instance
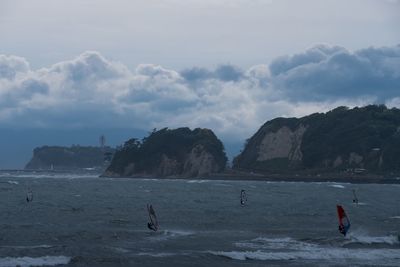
(337, 186)
(157, 255)
(196, 181)
(275, 243)
(28, 247)
(170, 234)
(29, 261)
(365, 239)
(395, 217)
(12, 182)
(339, 254)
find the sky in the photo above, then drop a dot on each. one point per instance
(69, 66)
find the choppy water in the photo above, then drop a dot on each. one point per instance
(82, 220)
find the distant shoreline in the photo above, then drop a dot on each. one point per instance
(307, 178)
(250, 176)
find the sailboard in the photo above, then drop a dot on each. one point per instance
(29, 196)
(344, 222)
(243, 197)
(153, 224)
(355, 198)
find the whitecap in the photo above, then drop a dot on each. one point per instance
(28, 247)
(170, 234)
(365, 255)
(337, 185)
(12, 182)
(395, 217)
(365, 239)
(157, 255)
(274, 243)
(39, 261)
(196, 181)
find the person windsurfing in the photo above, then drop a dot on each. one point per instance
(355, 199)
(243, 197)
(29, 196)
(344, 222)
(153, 224)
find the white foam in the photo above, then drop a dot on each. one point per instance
(120, 250)
(339, 254)
(157, 255)
(365, 239)
(196, 181)
(55, 175)
(28, 247)
(275, 243)
(29, 261)
(170, 234)
(361, 203)
(12, 182)
(395, 217)
(287, 248)
(337, 185)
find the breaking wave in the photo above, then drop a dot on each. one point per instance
(291, 249)
(337, 186)
(39, 261)
(355, 237)
(375, 255)
(170, 234)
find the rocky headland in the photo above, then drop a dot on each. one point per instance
(69, 158)
(177, 153)
(360, 143)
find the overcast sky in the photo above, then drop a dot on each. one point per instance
(226, 65)
(183, 33)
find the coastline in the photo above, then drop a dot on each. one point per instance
(231, 175)
(283, 177)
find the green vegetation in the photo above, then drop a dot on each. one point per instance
(371, 132)
(146, 155)
(74, 157)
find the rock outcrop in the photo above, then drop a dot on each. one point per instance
(365, 139)
(170, 153)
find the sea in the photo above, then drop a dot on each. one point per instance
(79, 219)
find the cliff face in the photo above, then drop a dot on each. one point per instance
(170, 153)
(69, 158)
(361, 139)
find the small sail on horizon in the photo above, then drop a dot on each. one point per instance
(243, 197)
(153, 224)
(355, 198)
(344, 222)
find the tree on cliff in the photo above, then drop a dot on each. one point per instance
(146, 156)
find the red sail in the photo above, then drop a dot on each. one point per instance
(341, 214)
(344, 222)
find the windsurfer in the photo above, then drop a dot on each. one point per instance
(151, 226)
(29, 196)
(342, 230)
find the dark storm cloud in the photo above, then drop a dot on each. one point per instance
(93, 91)
(317, 75)
(224, 73)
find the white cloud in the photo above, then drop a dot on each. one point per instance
(91, 91)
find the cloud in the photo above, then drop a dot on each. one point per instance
(92, 91)
(222, 72)
(10, 66)
(335, 73)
